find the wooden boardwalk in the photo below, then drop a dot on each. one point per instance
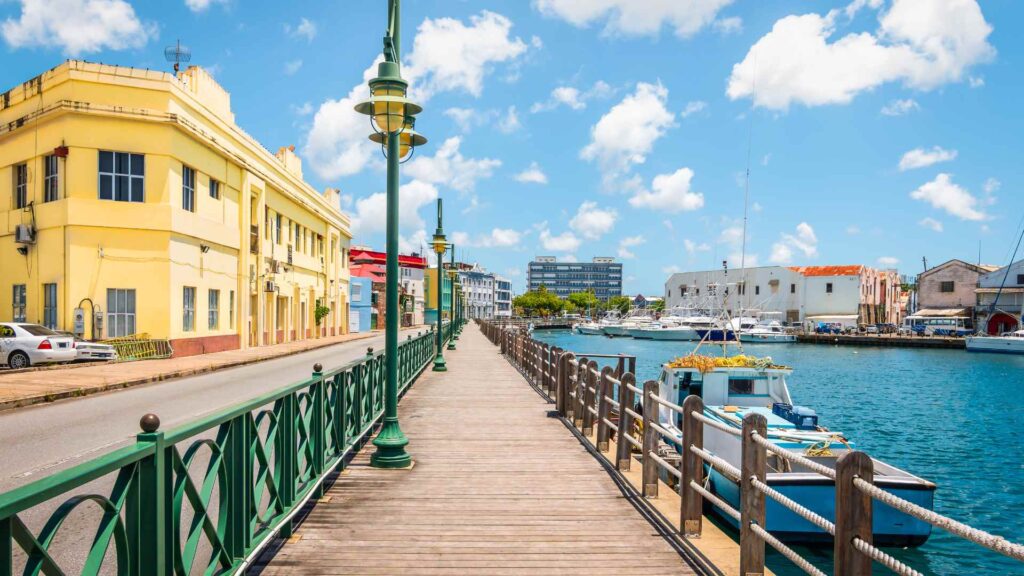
(499, 486)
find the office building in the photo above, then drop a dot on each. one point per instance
(602, 275)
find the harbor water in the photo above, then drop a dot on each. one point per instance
(949, 416)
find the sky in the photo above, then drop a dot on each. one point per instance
(874, 132)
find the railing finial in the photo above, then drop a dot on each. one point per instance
(149, 423)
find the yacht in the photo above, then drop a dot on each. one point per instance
(767, 331)
(733, 387)
(597, 328)
(1008, 343)
(631, 321)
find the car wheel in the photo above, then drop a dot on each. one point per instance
(18, 359)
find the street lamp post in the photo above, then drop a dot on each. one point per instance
(453, 274)
(392, 118)
(439, 247)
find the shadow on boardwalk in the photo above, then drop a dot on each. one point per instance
(498, 487)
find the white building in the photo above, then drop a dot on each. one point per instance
(478, 286)
(502, 297)
(411, 278)
(1005, 316)
(847, 295)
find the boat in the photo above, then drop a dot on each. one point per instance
(1008, 343)
(726, 330)
(597, 328)
(767, 331)
(743, 385)
(630, 322)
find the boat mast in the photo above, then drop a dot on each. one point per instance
(992, 307)
(746, 195)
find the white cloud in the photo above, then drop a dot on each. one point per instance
(202, 5)
(465, 118)
(943, 194)
(532, 175)
(77, 26)
(669, 193)
(931, 224)
(727, 26)
(449, 167)
(417, 242)
(564, 242)
(304, 109)
(804, 241)
(625, 135)
(992, 185)
(336, 145)
(976, 81)
(509, 123)
(592, 222)
(921, 43)
(853, 230)
(306, 28)
(692, 248)
(636, 17)
(921, 158)
(292, 67)
(693, 107)
(573, 97)
(888, 261)
(900, 107)
(630, 242)
(498, 238)
(371, 212)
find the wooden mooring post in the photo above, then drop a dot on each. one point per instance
(853, 514)
(604, 385)
(692, 469)
(752, 501)
(650, 441)
(624, 449)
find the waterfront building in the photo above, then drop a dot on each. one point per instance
(377, 276)
(644, 302)
(410, 282)
(131, 203)
(948, 290)
(361, 304)
(430, 289)
(502, 297)
(602, 275)
(847, 295)
(479, 288)
(999, 310)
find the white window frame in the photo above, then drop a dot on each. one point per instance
(120, 312)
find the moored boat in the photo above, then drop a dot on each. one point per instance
(766, 332)
(1010, 343)
(736, 386)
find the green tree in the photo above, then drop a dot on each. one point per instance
(539, 302)
(584, 301)
(657, 306)
(620, 303)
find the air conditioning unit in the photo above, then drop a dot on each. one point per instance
(24, 234)
(270, 286)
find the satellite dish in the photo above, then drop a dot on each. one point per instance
(177, 54)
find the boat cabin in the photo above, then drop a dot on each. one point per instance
(747, 387)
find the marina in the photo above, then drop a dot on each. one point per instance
(916, 409)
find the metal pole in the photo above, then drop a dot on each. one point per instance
(439, 364)
(451, 299)
(391, 442)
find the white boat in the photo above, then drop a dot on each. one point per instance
(1009, 343)
(589, 328)
(768, 332)
(630, 322)
(729, 394)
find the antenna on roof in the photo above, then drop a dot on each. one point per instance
(177, 54)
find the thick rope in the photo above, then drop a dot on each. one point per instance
(716, 424)
(980, 537)
(806, 514)
(715, 500)
(728, 469)
(884, 559)
(786, 551)
(668, 467)
(792, 456)
(674, 407)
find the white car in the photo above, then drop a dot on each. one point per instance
(24, 345)
(94, 351)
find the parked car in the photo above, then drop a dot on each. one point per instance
(87, 350)
(886, 328)
(23, 345)
(872, 329)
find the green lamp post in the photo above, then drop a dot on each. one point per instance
(453, 318)
(440, 246)
(392, 119)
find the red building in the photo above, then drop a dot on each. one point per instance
(367, 263)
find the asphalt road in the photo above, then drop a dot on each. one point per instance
(43, 439)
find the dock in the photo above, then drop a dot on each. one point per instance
(884, 340)
(499, 485)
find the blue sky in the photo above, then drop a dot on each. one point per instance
(879, 131)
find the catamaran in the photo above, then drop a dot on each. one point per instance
(733, 387)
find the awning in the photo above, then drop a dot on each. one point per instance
(832, 317)
(939, 313)
(995, 290)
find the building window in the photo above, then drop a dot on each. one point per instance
(188, 309)
(1020, 278)
(357, 292)
(18, 300)
(50, 306)
(946, 286)
(51, 189)
(213, 301)
(792, 288)
(21, 185)
(277, 228)
(828, 288)
(120, 312)
(214, 189)
(231, 309)
(122, 176)
(188, 189)
(757, 290)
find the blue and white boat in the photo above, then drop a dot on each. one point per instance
(729, 394)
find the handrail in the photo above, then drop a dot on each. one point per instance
(581, 394)
(267, 455)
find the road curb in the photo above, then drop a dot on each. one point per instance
(80, 392)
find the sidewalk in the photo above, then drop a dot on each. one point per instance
(37, 386)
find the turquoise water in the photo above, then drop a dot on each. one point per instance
(949, 416)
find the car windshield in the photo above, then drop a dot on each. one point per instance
(37, 330)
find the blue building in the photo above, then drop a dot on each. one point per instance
(360, 305)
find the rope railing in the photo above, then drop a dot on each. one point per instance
(589, 397)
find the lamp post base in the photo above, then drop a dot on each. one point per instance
(451, 344)
(390, 445)
(439, 364)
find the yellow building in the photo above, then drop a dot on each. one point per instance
(132, 196)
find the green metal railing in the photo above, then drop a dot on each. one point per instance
(260, 462)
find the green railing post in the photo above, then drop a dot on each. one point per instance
(238, 460)
(286, 458)
(318, 428)
(149, 508)
(6, 546)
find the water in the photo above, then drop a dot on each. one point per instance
(951, 417)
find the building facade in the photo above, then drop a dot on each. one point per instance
(479, 288)
(430, 288)
(130, 200)
(847, 295)
(602, 275)
(502, 297)
(1000, 299)
(360, 316)
(948, 290)
(410, 282)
